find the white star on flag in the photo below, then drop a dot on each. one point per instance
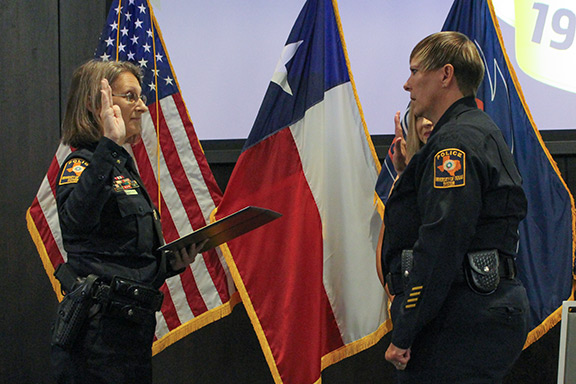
(280, 76)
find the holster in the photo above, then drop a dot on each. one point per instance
(73, 312)
(482, 271)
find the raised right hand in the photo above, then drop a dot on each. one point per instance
(111, 116)
(399, 156)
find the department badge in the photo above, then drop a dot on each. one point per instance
(72, 171)
(450, 168)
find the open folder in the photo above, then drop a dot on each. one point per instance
(225, 229)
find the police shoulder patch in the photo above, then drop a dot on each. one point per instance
(72, 170)
(450, 168)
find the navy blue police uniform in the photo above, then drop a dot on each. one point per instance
(110, 229)
(460, 194)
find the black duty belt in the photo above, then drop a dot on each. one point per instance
(396, 282)
(128, 299)
(123, 297)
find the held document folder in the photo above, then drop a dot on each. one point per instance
(225, 229)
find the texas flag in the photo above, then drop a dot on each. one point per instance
(308, 280)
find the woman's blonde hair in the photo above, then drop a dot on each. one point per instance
(413, 142)
(81, 125)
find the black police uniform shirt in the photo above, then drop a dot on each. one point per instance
(109, 224)
(460, 193)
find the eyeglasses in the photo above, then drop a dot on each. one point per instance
(131, 98)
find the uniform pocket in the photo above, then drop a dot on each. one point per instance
(508, 313)
(133, 205)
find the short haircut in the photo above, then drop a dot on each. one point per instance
(81, 125)
(456, 49)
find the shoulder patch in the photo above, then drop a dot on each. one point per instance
(450, 168)
(72, 170)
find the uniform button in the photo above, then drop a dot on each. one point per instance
(101, 177)
(140, 209)
(114, 154)
(130, 312)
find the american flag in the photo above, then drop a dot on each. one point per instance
(174, 170)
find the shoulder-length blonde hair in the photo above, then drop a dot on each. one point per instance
(413, 141)
(81, 125)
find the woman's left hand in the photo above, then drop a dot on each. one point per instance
(398, 356)
(185, 256)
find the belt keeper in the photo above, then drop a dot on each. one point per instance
(509, 266)
(394, 282)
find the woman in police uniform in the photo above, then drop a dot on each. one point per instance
(110, 231)
(454, 212)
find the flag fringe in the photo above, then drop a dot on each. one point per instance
(49, 268)
(251, 313)
(356, 346)
(548, 323)
(366, 133)
(327, 360)
(371, 339)
(195, 324)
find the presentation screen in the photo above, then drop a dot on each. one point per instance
(224, 54)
